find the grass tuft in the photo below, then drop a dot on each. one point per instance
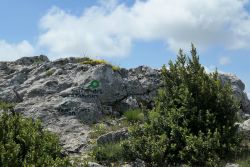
(135, 115)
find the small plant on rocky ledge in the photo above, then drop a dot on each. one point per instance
(50, 72)
(134, 115)
(98, 130)
(97, 62)
(110, 152)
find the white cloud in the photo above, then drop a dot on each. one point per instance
(108, 29)
(224, 60)
(14, 51)
(248, 95)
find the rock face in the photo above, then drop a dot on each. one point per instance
(238, 89)
(245, 128)
(112, 137)
(69, 96)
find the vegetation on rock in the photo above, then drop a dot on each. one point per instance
(96, 62)
(193, 122)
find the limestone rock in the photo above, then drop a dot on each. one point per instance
(93, 164)
(238, 89)
(112, 137)
(245, 128)
(232, 165)
(31, 60)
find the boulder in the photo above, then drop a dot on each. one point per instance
(232, 165)
(94, 164)
(245, 128)
(32, 60)
(238, 90)
(113, 137)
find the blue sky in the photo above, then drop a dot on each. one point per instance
(129, 33)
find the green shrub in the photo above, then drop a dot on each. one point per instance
(96, 62)
(24, 143)
(110, 152)
(134, 115)
(50, 72)
(115, 68)
(6, 106)
(193, 122)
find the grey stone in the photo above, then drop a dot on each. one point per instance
(245, 128)
(112, 137)
(94, 164)
(31, 60)
(232, 165)
(238, 90)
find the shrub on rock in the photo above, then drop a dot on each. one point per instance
(193, 122)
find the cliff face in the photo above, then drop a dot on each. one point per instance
(68, 96)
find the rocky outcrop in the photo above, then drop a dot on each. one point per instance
(238, 89)
(68, 96)
(245, 128)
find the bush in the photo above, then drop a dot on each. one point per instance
(110, 152)
(24, 143)
(134, 115)
(193, 122)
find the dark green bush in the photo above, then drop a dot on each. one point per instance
(24, 143)
(193, 122)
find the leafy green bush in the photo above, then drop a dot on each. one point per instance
(110, 152)
(6, 106)
(193, 122)
(24, 143)
(134, 115)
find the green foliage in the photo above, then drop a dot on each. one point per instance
(98, 130)
(97, 62)
(94, 62)
(50, 72)
(134, 115)
(6, 106)
(115, 68)
(110, 152)
(24, 143)
(193, 122)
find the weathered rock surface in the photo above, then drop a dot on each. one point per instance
(238, 89)
(112, 137)
(232, 165)
(93, 164)
(245, 128)
(69, 96)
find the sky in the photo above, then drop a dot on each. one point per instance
(130, 33)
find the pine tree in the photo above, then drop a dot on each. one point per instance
(193, 122)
